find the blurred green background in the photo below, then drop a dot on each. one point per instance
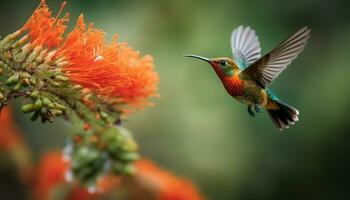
(196, 129)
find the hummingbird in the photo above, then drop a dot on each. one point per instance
(247, 76)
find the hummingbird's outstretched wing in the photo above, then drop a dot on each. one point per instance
(245, 46)
(267, 68)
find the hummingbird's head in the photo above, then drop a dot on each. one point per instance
(222, 66)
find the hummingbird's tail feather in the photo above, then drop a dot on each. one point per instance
(284, 115)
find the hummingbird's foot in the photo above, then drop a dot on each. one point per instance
(257, 109)
(251, 113)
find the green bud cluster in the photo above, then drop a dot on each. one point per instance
(115, 150)
(121, 148)
(87, 164)
(18, 81)
(43, 107)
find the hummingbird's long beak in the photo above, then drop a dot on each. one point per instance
(198, 57)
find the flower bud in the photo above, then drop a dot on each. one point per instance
(25, 75)
(46, 101)
(17, 87)
(27, 108)
(7, 42)
(43, 111)
(12, 80)
(77, 87)
(34, 116)
(56, 112)
(32, 56)
(35, 94)
(25, 82)
(61, 78)
(2, 97)
(20, 42)
(38, 104)
(55, 84)
(59, 106)
(51, 105)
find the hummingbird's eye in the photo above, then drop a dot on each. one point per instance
(223, 62)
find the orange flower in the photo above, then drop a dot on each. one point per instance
(13, 144)
(50, 174)
(164, 184)
(114, 71)
(9, 137)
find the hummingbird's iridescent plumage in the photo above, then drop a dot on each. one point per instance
(247, 75)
